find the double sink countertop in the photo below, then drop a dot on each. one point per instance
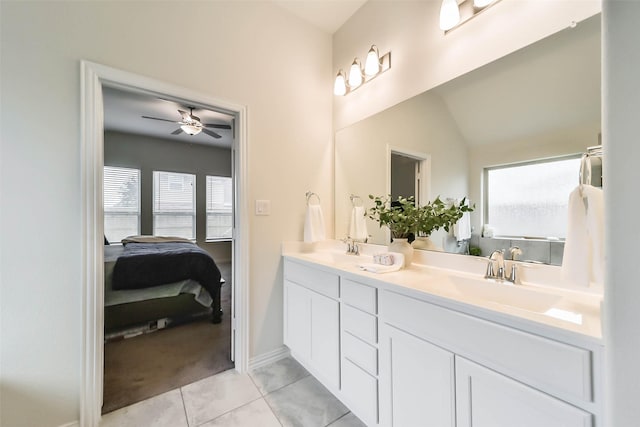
(542, 303)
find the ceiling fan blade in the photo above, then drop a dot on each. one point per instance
(211, 133)
(216, 126)
(156, 118)
(176, 132)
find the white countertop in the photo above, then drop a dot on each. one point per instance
(569, 315)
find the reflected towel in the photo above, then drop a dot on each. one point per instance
(358, 224)
(462, 228)
(314, 224)
(583, 258)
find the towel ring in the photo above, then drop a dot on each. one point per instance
(309, 195)
(354, 200)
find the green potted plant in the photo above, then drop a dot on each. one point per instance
(436, 215)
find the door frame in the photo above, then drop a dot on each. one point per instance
(93, 77)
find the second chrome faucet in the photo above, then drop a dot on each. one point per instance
(501, 273)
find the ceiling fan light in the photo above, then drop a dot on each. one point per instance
(449, 14)
(191, 129)
(355, 74)
(372, 63)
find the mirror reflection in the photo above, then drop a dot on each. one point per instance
(520, 124)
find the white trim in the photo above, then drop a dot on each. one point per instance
(71, 424)
(269, 357)
(93, 77)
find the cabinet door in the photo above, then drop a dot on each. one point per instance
(297, 334)
(488, 399)
(325, 338)
(416, 380)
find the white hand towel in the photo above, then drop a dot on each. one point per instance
(398, 262)
(462, 228)
(358, 224)
(583, 258)
(314, 224)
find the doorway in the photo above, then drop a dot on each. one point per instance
(408, 174)
(95, 77)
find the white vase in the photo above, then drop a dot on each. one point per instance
(425, 243)
(402, 246)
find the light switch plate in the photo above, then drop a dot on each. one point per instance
(263, 207)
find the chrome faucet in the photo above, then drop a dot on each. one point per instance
(500, 275)
(352, 247)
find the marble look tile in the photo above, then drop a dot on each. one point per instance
(164, 410)
(278, 374)
(305, 403)
(489, 244)
(348, 420)
(211, 397)
(256, 413)
(533, 250)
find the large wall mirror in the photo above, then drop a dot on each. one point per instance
(539, 103)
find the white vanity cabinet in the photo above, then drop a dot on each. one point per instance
(486, 398)
(312, 320)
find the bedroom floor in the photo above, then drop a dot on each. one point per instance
(151, 364)
(280, 394)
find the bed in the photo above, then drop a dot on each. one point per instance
(152, 278)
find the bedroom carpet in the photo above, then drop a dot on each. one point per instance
(138, 368)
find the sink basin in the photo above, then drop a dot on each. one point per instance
(517, 296)
(338, 258)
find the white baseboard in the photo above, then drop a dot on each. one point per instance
(269, 357)
(71, 424)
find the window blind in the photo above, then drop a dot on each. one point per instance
(174, 204)
(121, 202)
(219, 208)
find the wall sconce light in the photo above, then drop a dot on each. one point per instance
(454, 13)
(374, 66)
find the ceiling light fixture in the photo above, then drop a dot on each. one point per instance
(454, 13)
(191, 129)
(373, 67)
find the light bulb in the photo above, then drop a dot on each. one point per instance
(449, 14)
(372, 64)
(355, 74)
(479, 4)
(340, 86)
(191, 129)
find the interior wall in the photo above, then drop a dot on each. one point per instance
(250, 53)
(149, 154)
(423, 57)
(621, 103)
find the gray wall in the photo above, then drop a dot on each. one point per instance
(153, 154)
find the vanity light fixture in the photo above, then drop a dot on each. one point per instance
(454, 13)
(374, 66)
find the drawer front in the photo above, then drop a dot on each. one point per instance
(360, 324)
(361, 392)
(360, 353)
(358, 295)
(320, 281)
(543, 363)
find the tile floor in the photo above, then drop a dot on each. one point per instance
(280, 394)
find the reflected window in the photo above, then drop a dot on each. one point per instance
(121, 203)
(174, 204)
(530, 200)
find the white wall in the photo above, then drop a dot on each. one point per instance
(422, 57)
(621, 104)
(250, 53)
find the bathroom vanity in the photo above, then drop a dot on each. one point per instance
(435, 346)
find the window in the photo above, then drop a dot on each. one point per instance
(219, 208)
(174, 204)
(121, 203)
(530, 200)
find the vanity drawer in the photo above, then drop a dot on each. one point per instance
(320, 281)
(360, 324)
(360, 353)
(552, 366)
(360, 296)
(361, 392)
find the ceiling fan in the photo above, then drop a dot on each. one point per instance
(192, 125)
